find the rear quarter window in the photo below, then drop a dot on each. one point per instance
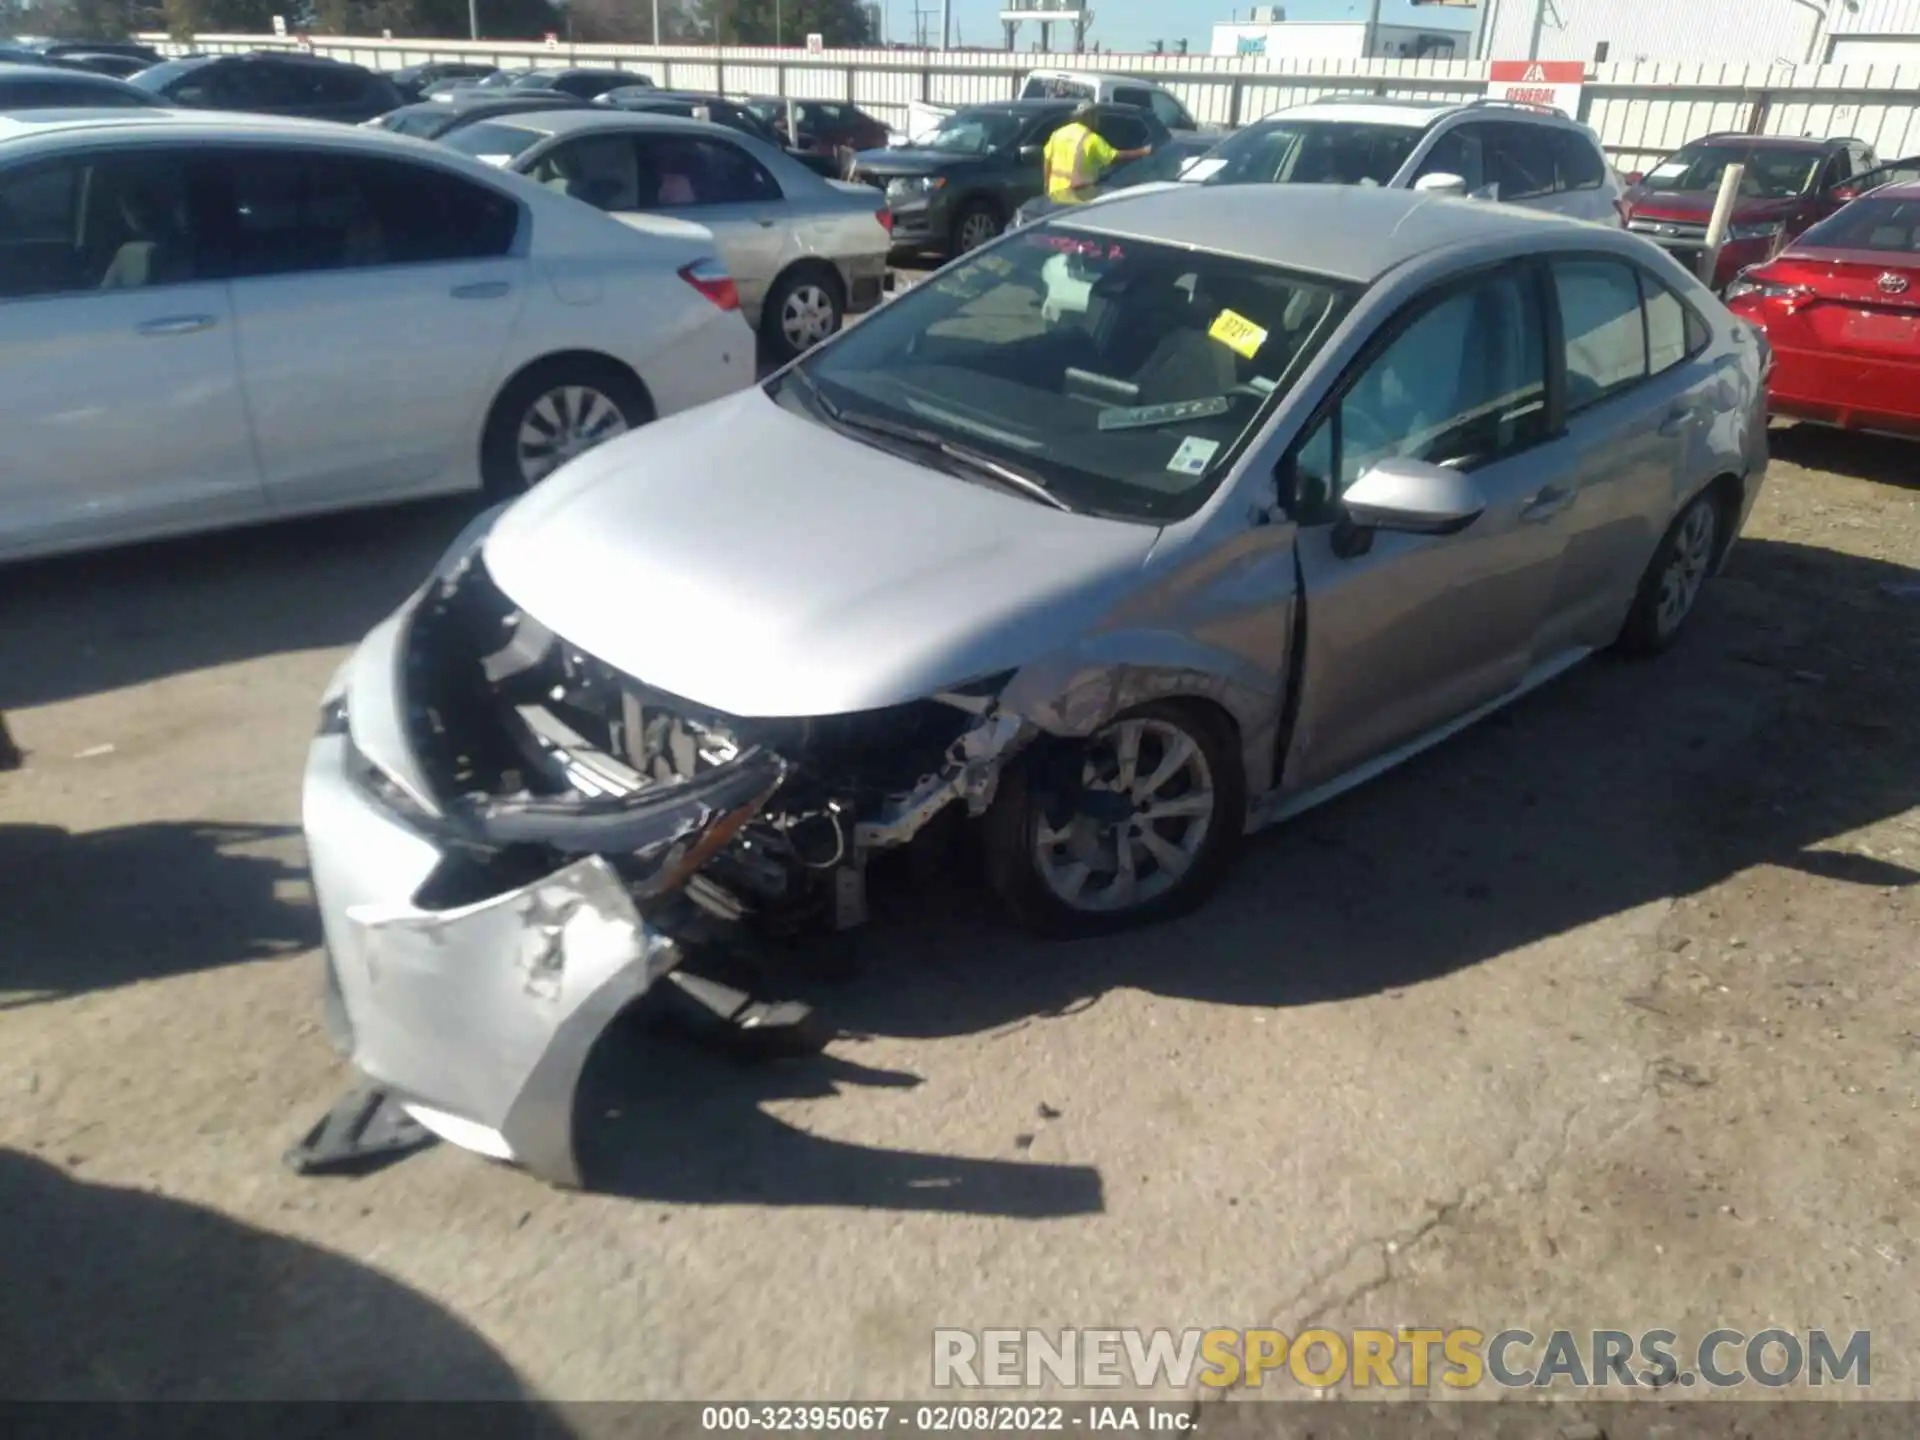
(1582, 167)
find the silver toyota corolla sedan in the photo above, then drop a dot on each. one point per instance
(804, 251)
(1129, 533)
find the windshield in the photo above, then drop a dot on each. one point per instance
(974, 132)
(1163, 164)
(1057, 87)
(1310, 152)
(1891, 224)
(490, 140)
(157, 77)
(1771, 174)
(1120, 374)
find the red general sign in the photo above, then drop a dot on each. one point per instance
(1554, 83)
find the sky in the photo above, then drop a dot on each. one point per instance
(1136, 24)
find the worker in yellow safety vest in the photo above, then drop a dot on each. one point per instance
(1076, 157)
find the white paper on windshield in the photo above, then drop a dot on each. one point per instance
(1192, 456)
(1202, 169)
(1667, 171)
(495, 159)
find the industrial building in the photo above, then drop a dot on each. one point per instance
(1795, 32)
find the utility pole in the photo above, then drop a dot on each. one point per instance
(1539, 27)
(1373, 31)
(946, 24)
(656, 22)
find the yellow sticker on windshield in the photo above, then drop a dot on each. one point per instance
(1237, 333)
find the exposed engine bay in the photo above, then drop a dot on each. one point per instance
(540, 753)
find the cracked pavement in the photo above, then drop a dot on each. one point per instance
(1601, 1015)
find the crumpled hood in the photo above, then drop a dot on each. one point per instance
(757, 563)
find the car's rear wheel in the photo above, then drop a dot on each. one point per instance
(1132, 826)
(805, 308)
(974, 226)
(1674, 578)
(552, 412)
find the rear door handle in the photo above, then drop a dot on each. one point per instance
(1548, 503)
(481, 290)
(1677, 422)
(175, 325)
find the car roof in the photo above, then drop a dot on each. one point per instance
(14, 73)
(1773, 142)
(601, 117)
(1093, 77)
(1349, 232)
(35, 124)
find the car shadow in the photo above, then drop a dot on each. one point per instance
(1882, 459)
(81, 624)
(1782, 720)
(126, 1297)
(142, 902)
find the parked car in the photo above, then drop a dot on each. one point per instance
(965, 184)
(804, 252)
(431, 119)
(1893, 172)
(1163, 166)
(1790, 183)
(827, 127)
(117, 66)
(412, 80)
(498, 80)
(43, 87)
(308, 87)
(67, 49)
(1486, 150)
(1312, 492)
(1841, 309)
(258, 318)
(693, 105)
(1108, 90)
(584, 83)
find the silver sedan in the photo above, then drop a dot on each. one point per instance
(1138, 529)
(804, 251)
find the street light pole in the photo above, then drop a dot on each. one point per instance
(656, 22)
(1539, 27)
(1373, 31)
(473, 19)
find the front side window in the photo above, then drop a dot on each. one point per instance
(1132, 95)
(1524, 161)
(676, 170)
(1772, 174)
(1458, 152)
(1463, 384)
(1606, 341)
(1169, 111)
(301, 211)
(1121, 374)
(494, 141)
(1313, 152)
(601, 170)
(114, 222)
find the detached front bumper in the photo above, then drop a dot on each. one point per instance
(479, 1012)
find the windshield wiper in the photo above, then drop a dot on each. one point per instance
(1011, 478)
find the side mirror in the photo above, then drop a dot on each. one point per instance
(1633, 177)
(1031, 154)
(1441, 184)
(1844, 193)
(1413, 498)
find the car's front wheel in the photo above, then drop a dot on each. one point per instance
(1135, 824)
(974, 226)
(550, 413)
(1674, 578)
(805, 308)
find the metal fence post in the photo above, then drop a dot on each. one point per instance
(1236, 101)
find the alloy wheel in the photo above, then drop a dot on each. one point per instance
(1687, 567)
(1147, 806)
(806, 317)
(977, 229)
(566, 421)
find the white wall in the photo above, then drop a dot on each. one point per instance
(1856, 51)
(1653, 31)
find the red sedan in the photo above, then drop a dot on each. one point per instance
(1841, 308)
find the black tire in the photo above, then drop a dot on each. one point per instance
(1654, 622)
(796, 285)
(1011, 829)
(978, 219)
(501, 470)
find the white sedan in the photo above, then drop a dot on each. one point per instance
(209, 320)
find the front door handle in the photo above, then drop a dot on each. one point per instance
(1677, 422)
(176, 325)
(481, 290)
(765, 221)
(1548, 503)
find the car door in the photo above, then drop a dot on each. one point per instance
(119, 397)
(715, 183)
(374, 298)
(1633, 410)
(1406, 633)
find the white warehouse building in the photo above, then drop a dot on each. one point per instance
(1757, 31)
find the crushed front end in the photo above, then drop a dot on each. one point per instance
(511, 842)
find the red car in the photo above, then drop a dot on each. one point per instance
(1791, 182)
(1841, 308)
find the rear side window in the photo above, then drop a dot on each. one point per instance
(1124, 132)
(676, 170)
(1132, 95)
(295, 212)
(1870, 224)
(1582, 167)
(1523, 161)
(108, 222)
(1606, 341)
(490, 140)
(1169, 111)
